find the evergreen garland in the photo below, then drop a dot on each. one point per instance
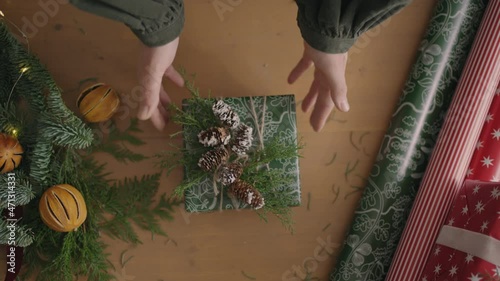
(58, 147)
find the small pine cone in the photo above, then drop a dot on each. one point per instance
(243, 140)
(230, 173)
(226, 114)
(213, 158)
(247, 193)
(214, 136)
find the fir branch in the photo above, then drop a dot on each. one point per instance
(23, 192)
(40, 157)
(63, 134)
(23, 234)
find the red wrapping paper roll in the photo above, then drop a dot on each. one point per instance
(468, 246)
(485, 163)
(453, 151)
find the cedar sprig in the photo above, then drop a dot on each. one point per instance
(116, 143)
(272, 185)
(274, 150)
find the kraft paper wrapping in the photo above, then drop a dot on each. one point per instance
(405, 150)
(451, 157)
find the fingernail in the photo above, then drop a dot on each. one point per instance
(344, 106)
(143, 113)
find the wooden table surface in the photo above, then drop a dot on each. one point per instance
(247, 50)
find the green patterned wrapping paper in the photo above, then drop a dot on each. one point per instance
(405, 150)
(278, 121)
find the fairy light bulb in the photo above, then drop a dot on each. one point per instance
(1, 14)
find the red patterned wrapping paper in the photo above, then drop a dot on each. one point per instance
(453, 151)
(468, 246)
(485, 163)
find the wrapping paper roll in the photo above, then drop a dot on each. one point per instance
(451, 157)
(468, 246)
(485, 163)
(406, 147)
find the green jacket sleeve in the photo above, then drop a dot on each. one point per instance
(333, 26)
(155, 22)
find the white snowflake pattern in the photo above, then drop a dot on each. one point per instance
(451, 221)
(465, 210)
(495, 178)
(489, 118)
(496, 134)
(469, 258)
(437, 250)
(479, 207)
(475, 277)
(453, 270)
(424, 278)
(470, 172)
(487, 161)
(484, 226)
(495, 193)
(479, 145)
(476, 189)
(437, 268)
(496, 271)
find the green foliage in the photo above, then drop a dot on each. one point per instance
(23, 191)
(23, 237)
(115, 143)
(32, 109)
(196, 115)
(113, 207)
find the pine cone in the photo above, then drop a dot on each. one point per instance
(213, 158)
(226, 114)
(247, 193)
(230, 173)
(214, 136)
(243, 140)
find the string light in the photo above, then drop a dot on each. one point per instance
(2, 15)
(23, 70)
(14, 132)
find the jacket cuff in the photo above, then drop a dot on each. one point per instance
(162, 36)
(325, 43)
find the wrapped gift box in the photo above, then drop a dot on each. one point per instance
(275, 117)
(468, 246)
